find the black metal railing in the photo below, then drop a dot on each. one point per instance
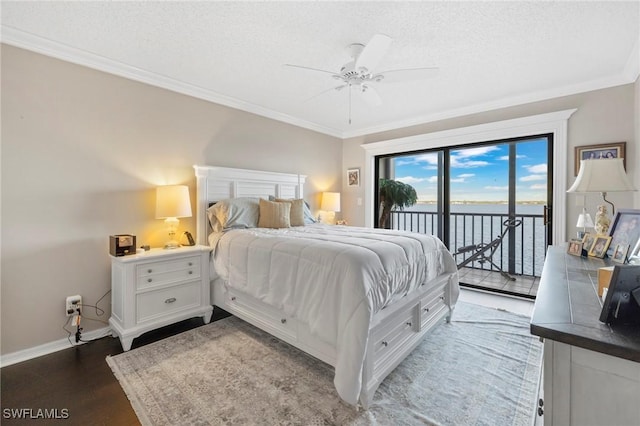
(530, 239)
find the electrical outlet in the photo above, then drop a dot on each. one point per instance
(73, 303)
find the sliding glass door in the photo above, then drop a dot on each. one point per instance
(468, 195)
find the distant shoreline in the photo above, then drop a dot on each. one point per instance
(486, 202)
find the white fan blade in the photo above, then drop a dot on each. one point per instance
(409, 74)
(310, 69)
(373, 52)
(337, 88)
(370, 95)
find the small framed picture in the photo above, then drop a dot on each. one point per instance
(620, 253)
(353, 177)
(575, 247)
(593, 152)
(587, 241)
(600, 246)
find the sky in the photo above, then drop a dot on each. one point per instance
(480, 173)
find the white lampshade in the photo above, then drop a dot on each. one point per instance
(584, 221)
(330, 202)
(173, 201)
(602, 175)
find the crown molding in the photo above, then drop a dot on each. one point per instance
(34, 43)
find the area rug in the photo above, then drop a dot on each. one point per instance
(481, 369)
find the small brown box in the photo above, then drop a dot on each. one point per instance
(604, 277)
(122, 245)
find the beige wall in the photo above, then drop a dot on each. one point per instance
(602, 116)
(82, 153)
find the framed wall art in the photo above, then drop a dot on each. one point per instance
(353, 177)
(606, 150)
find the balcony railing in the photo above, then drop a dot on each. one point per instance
(527, 254)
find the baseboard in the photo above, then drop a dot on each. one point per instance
(51, 347)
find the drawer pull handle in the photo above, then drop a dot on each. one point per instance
(149, 280)
(190, 263)
(540, 411)
(283, 320)
(170, 300)
(233, 298)
(190, 272)
(149, 271)
(409, 324)
(385, 343)
(426, 309)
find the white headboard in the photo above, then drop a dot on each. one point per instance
(218, 183)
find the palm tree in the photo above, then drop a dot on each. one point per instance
(394, 194)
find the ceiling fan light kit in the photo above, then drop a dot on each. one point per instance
(358, 73)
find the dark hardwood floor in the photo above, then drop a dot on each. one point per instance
(77, 380)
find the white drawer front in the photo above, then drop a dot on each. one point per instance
(430, 305)
(154, 304)
(389, 338)
(160, 273)
(276, 322)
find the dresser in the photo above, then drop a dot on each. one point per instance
(591, 370)
(158, 288)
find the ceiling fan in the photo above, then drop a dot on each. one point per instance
(358, 75)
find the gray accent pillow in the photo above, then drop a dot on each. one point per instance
(233, 213)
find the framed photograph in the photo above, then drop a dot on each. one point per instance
(587, 241)
(607, 150)
(575, 247)
(600, 246)
(353, 177)
(625, 228)
(620, 253)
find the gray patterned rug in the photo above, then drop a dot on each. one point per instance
(481, 369)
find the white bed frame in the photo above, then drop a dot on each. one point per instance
(395, 331)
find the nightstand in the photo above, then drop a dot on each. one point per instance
(158, 288)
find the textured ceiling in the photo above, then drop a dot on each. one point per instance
(489, 54)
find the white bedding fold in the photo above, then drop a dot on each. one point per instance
(334, 278)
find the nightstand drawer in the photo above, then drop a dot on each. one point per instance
(160, 273)
(153, 304)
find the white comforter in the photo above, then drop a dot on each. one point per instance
(334, 278)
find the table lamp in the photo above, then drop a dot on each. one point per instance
(584, 222)
(172, 202)
(331, 204)
(602, 175)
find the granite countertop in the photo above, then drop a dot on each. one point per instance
(567, 307)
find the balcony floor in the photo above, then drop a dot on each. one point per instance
(524, 284)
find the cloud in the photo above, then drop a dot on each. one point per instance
(506, 157)
(531, 178)
(497, 188)
(474, 152)
(466, 175)
(410, 179)
(470, 164)
(537, 168)
(539, 186)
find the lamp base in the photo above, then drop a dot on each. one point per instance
(173, 244)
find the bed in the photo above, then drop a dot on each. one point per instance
(356, 298)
